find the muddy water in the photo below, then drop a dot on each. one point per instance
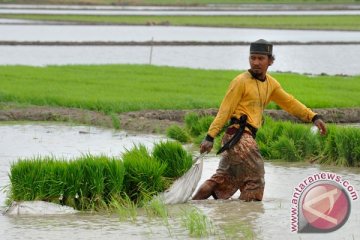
(269, 219)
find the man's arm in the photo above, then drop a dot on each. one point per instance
(296, 108)
(227, 107)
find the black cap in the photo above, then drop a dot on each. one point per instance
(261, 46)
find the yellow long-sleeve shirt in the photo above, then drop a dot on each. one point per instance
(247, 95)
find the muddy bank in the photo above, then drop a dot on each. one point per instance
(149, 121)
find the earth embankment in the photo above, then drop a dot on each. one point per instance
(151, 121)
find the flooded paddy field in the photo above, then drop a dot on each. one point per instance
(232, 219)
(299, 59)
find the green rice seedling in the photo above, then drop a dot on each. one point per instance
(330, 22)
(174, 156)
(284, 148)
(192, 124)
(115, 120)
(331, 150)
(65, 85)
(350, 143)
(265, 150)
(22, 179)
(36, 179)
(238, 230)
(197, 140)
(197, 125)
(114, 172)
(198, 224)
(142, 173)
(306, 144)
(125, 207)
(342, 147)
(205, 122)
(177, 133)
(155, 207)
(301, 143)
(93, 181)
(88, 182)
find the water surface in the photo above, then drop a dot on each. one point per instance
(265, 220)
(313, 59)
(81, 33)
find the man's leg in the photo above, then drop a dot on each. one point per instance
(250, 169)
(205, 190)
(253, 190)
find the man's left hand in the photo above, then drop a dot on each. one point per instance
(321, 126)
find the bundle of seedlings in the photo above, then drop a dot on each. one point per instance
(288, 141)
(148, 174)
(195, 129)
(89, 182)
(95, 182)
(177, 159)
(342, 147)
(143, 174)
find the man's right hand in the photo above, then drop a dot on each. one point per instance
(206, 146)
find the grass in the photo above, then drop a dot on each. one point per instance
(174, 2)
(122, 88)
(321, 22)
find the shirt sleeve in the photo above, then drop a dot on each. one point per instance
(291, 105)
(227, 107)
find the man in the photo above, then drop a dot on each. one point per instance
(241, 166)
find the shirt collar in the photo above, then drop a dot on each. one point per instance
(254, 76)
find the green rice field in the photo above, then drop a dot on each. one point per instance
(272, 22)
(122, 88)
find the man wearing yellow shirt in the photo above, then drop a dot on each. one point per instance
(241, 165)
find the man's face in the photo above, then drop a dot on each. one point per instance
(259, 63)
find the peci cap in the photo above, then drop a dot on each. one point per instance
(261, 46)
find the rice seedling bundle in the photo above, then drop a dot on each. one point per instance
(143, 174)
(294, 142)
(176, 159)
(177, 133)
(343, 147)
(86, 182)
(197, 125)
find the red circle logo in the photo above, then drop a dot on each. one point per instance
(326, 207)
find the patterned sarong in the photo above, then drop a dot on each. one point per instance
(240, 167)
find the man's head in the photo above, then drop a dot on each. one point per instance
(261, 57)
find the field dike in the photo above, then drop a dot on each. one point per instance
(149, 121)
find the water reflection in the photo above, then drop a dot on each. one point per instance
(313, 59)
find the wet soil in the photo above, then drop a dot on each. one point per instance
(148, 121)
